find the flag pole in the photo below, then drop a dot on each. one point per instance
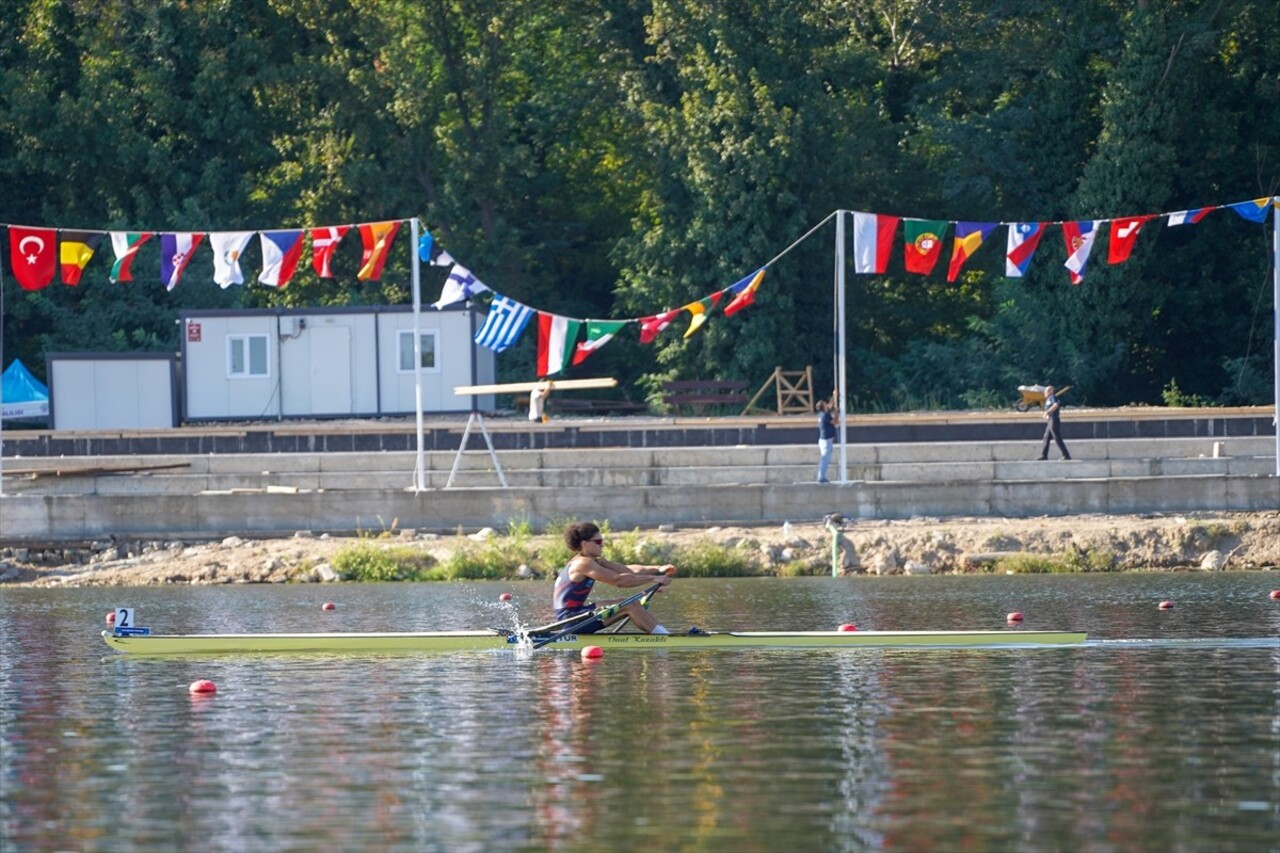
(1, 390)
(419, 477)
(1275, 331)
(840, 344)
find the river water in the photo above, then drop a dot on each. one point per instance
(1162, 733)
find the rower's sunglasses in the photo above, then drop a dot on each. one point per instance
(599, 540)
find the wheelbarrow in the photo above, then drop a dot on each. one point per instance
(1033, 396)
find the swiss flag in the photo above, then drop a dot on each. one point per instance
(1124, 233)
(34, 255)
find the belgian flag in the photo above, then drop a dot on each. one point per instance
(75, 252)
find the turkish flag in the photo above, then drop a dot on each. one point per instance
(34, 255)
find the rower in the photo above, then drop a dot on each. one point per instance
(588, 565)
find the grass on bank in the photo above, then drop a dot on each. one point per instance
(501, 557)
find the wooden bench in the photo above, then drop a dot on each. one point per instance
(701, 394)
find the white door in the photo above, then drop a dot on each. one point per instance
(330, 370)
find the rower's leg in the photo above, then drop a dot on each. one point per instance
(643, 619)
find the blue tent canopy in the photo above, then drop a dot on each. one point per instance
(21, 394)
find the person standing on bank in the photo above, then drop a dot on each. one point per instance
(826, 438)
(574, 583)
(1053, 424)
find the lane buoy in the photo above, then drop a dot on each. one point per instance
(506, 596)
(592, 653)
(203, 687)
(1166, 605)
(847, 627)
(328, 605)
(111, 618)
(1275, 595)
(1015, 616)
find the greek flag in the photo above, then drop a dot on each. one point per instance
(507, 319)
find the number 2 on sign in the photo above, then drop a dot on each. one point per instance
(124, 617)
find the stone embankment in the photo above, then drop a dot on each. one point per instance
(1208, 541)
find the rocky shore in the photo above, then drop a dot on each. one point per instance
(1201, 541)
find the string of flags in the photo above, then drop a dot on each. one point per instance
(874, 237)
(38, 254)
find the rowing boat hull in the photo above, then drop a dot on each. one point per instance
(453, 641)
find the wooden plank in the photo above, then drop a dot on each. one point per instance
(553, 384)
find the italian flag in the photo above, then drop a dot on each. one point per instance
(556, 338)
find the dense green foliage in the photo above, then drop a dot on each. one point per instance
(623, 157)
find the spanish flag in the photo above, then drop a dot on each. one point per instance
(377, 237)
(74, 253)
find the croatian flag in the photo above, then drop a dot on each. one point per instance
(281, 251)
(872, 241)
(1079, 237)
(1024, 238)
(175, 253)
(504, 325)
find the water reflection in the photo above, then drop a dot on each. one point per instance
(1121, 744)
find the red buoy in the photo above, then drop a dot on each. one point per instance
(328, 605)
(1015, 616)
(1166, 605)
(592, 653)
(847, 627)
(1275, 595)
(111, 618)
(506, 596)
(203, 687)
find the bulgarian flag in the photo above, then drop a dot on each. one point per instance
(126, 245)
(556, 338)
(872, 241)
(377, 239)
(599, 333)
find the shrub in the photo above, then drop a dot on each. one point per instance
(367, 561)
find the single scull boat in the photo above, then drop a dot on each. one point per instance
(452, 641)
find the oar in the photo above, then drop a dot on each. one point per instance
(644, 602)
(596, 618)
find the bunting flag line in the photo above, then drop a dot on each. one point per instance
(968, 239)
(1254, 211)
(1124, 233)
(557, 337)
(323, 243)
(227, 247)
(700, 311)
(75, 252)
(651, 327)
(744, 292)
(281, 252)
(922, 244)
(126, 244)
(1079, 237)
(1024, 237)
(872, 241)
(460, 285)
(176, 249)
(430, 252)
(33, 255)
(599, 333)
(504, 325)
(377, 239)
(1189, 217)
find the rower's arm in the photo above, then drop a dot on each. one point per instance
(625, 577)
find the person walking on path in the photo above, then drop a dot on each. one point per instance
(1053, 424)
(826, 438)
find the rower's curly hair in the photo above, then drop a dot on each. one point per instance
(576, 534)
